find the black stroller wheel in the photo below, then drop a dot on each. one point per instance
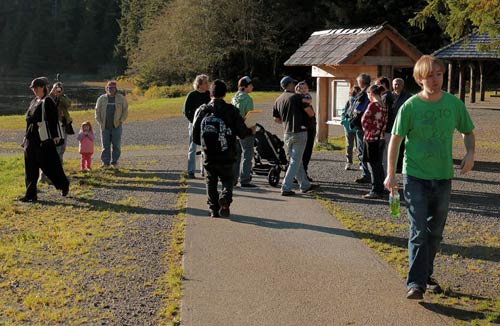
(274, 176)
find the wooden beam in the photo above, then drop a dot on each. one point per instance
(345, 72)
(461, 81)
(472, 92)
(450, 77)
(481, 81)
(401, 62)
(322, 94)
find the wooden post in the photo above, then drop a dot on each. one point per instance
(481, 81)
(472, 93)
(386, 51)
(461, 81)
(450, 78)
(322, 108)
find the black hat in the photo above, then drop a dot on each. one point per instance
(244, 81)
(287, 80)
(38, 82)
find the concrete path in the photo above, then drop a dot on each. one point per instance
(285, 261)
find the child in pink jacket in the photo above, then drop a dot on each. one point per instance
(86, 146)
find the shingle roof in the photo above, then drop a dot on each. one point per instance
(466, 48)
(331, 46)
(336, 46)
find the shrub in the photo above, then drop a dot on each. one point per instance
(168, 91)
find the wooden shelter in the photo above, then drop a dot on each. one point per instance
(338, 56)
(465, 53)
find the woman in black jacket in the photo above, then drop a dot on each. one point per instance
(42, 154)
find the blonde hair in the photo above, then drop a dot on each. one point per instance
(200, 79)
(86, 123)
(424, 65)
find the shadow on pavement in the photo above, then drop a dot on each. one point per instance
(473, 252)
(460, 314)
(277, 224)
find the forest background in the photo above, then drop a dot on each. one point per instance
(164, 42)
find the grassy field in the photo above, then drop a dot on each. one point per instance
(49, 251)
(44, 254)
(140, 109)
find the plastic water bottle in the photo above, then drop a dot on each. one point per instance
(394, 202)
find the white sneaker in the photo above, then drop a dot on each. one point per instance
(348, 166)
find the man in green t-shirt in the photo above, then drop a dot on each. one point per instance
(427, 122)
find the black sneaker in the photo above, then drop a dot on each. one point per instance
(190, 176)
(212, 213)
(248, 185)
(26, 199)
(415, 293)
(311, 187)
(363, 180)
(224, 207)
(287, 193)
(373, 195)
(433, 286)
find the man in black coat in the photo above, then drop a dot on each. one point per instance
(219, 164)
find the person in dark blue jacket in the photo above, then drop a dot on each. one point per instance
(219, 164)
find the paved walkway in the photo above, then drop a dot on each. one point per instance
(285, 261)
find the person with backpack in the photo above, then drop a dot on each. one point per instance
(215, 127)
(360, 104)
(350, 134)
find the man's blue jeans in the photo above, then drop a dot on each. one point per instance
(245, 150)
(111, 137)
(295, 143)
(349, 144)
(427, 204)
(359, 146)
(191, 152)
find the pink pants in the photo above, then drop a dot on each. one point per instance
(86, 161)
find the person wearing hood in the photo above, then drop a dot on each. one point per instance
(244, 103)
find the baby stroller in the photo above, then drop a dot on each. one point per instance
(269, 155)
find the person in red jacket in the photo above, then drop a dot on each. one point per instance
(374, 122)
(86, 146)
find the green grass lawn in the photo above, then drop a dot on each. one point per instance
(50, 252)
(139, 110)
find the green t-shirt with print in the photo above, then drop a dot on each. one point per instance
(428, 129)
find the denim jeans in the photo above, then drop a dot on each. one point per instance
(192, 153)
(427, 204)
(245, 150)
(110, 137)
(295, 143)
(349, 144)
(359, 146)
